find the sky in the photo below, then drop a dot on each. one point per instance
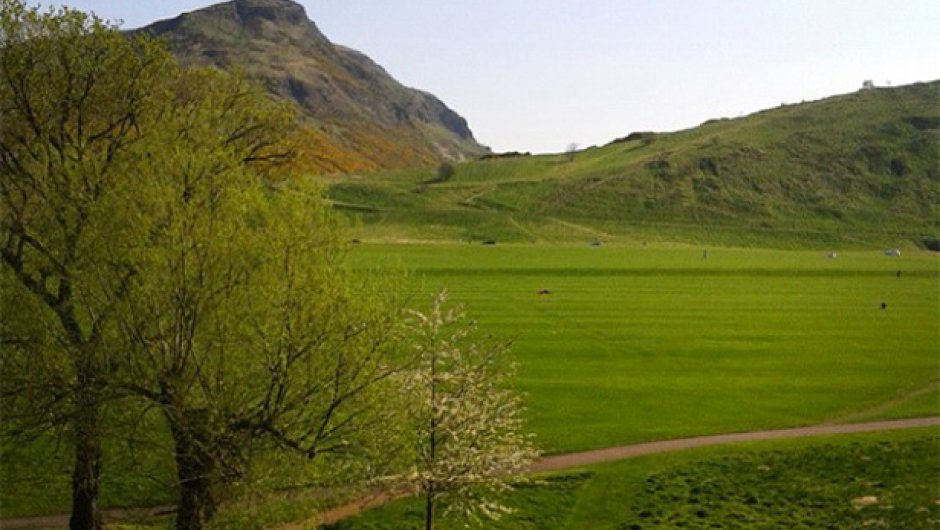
(538, 75)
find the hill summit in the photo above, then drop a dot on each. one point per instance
(360, 117)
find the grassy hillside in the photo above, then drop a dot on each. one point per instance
(850, 170)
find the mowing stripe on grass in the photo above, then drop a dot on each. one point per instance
(600, 271)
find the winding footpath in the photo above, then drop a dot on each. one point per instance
(549, 463)
(597, 456)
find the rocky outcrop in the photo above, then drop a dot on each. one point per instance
(371, 119)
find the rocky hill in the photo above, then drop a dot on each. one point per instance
(359, 117)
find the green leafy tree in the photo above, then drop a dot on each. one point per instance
(469, 425)
(571, 152)
(151, 252)
(445, 171)
(241, 325)
(74, 97)
(245, 329)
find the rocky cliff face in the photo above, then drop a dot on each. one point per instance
(359, 116)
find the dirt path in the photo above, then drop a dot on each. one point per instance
(347, 510)
(885, 406)
(584, 458)
(550, 463)
(62, 521)
(593, 231)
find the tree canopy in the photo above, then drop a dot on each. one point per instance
(157, 258)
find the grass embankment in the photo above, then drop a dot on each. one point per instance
(808, 483)
(848, 170)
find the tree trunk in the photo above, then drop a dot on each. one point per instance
(87, 470)
(429, 509)
(432, 445)
(86, 427)
(194, 471)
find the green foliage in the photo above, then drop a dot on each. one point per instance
(143, 227)
(880, 484)
(241, 327)
(445, 171)
(170, 275)
(75, 96)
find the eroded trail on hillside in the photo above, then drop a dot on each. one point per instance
(553, 463)
(885, 406)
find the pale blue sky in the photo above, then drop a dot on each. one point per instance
(536, 75)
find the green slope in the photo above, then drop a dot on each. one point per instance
(850, 170)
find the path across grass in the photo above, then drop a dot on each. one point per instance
(551, 463)
(597, 456)
(611, 454)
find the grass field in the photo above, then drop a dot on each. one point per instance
(808, 483)
(640, 343)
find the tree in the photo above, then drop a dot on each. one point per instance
(571, 152)
(247, 332)
(242, 326)
(74, 94)
(468, 423)
(165, 262)
(445, 171)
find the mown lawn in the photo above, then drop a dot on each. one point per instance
(640, 343)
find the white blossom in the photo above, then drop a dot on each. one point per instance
(469, 443)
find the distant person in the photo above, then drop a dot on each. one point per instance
(884, 306)
(899, 275)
